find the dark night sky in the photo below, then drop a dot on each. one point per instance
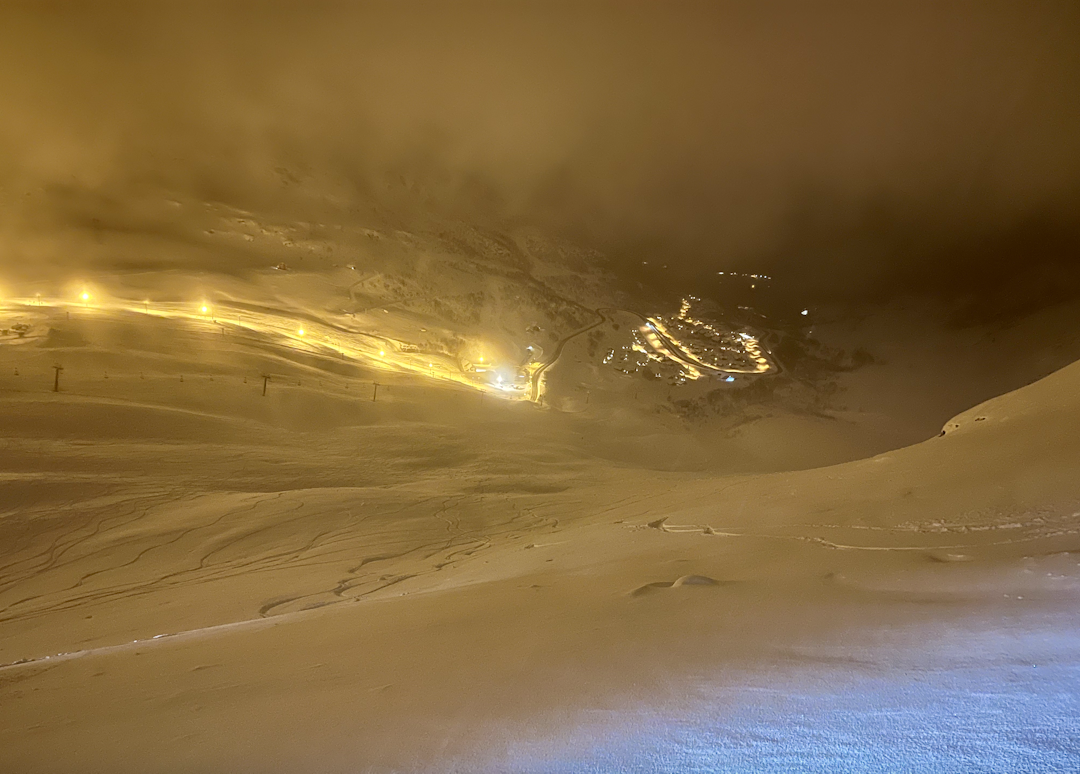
(853, 149)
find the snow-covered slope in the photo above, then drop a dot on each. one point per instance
(205, 578)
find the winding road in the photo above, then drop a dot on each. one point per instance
(534, 387)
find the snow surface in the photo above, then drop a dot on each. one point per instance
(200, 578)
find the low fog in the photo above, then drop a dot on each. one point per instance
(846, 150)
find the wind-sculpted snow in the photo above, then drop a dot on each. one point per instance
(428, 581)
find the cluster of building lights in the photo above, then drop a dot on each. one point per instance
(741, 274)
(686, 359)
(663, 341)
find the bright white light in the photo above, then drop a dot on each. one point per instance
(85, 296)
(805, 312)
(300, 332)
(382, 353)
(205, 309)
